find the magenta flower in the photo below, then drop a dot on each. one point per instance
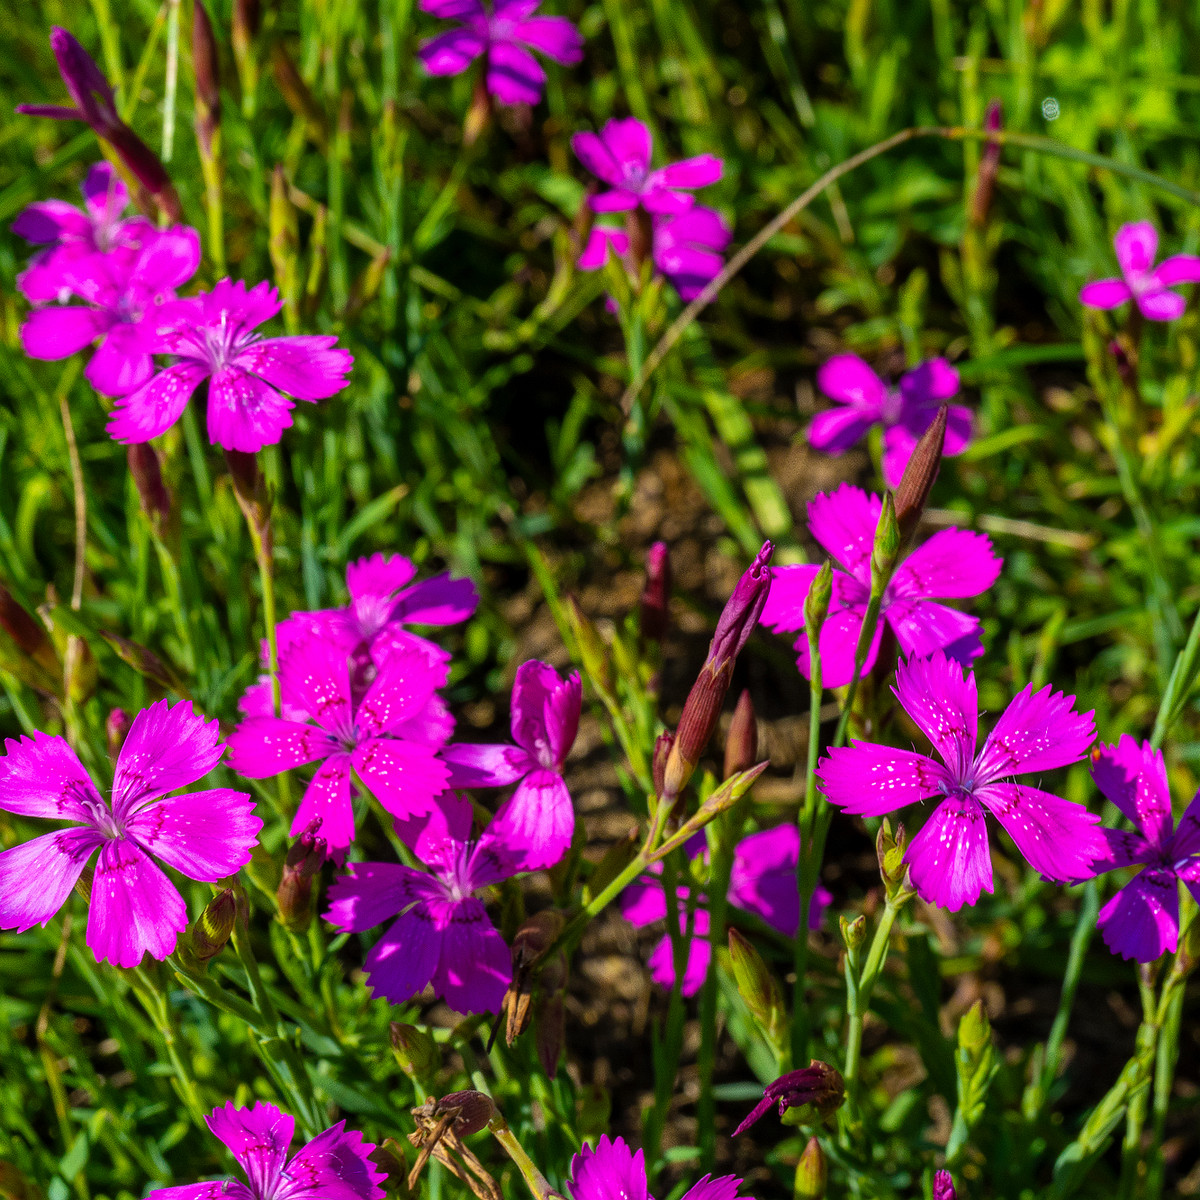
(905, 412)
(442, 933)
(124, 292)
(335, 1165)
(1143, 283)
(949, 862)
(539, 816)
(501, 34)
(818, 1086)
(67, 234)
(953, 564)
(763, 881)
(613, 1172)
(619, 155)
(381, 734)
(1142, 920)
(211, 337)
(134, 908)
(943, 1186)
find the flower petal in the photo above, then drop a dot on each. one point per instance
(1187, 836)
(371, 893)
(335, 1165)
(1123, 848)
(167, 747)
(1134, 778)
(661, 963)
(263, 746)
(1141, 921)
(618, 200)
(844, 521)
(156, 405)
(953, 564)
(923, 627)
(1038, 731)
(784, 609)
(847, 378)
(763, 879)
(41, 776)
(473, 765)
(400, 691)
(536, 823)
(869, 780)
(439, 600)
(1105, 293)
(1179, 268)
(37, 877)
(898, 446)
(104, 193)
(513, 75)
(1059, 839)
(59, 330)
(934, 379)
(593, 152)
(167, 261)
(378, 576)
(135, 907)
(119, 365)
(839, 640)
(452, 10)
(46, 222)
(600, 240)
(948, 860)
(213, 1189)
(721, 1187)
(835, 430)
(1160, 305)
(643, 902)
(401, 963)
(244, 413)
(555, 37)
(203, 835)
(475, 966)
(404, 777)
(328, 797)
(941, 698)
(630, 144)
(258, 1138)
(309, 368)
(452, 52)
(1136, 245)
(609, 1171)
(696, 172)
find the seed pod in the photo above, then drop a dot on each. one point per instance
(989, 163)
(853, 932)
(472, 1111)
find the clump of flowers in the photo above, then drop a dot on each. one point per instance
(904, 412)
(612, 1171)
(953, 564)
(1141, 281)
(134, 907)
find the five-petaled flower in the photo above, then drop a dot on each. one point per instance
(1142, 920)
(335, 1165)
(504, 35)
(904, 412)
(211, 336)
(612, 1171)
(953, 564)
(949, 860)
(1145, 284)
(134, 907)
(441, 933)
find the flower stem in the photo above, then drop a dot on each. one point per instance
(537, 1183)
(154, 1001)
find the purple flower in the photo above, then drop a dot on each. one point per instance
(68, 234)
(905, 412)
(538, 819)
(619, 155)
(1143, 283)
(1142, 920)
(818, 1086)
(943, 1186)
(335, 1165)
(763, 881)
(134, 907)
(382, 734)
(125, 292)
(442, 933)
(211, 337)
(613, 1172)
(502, 34)
(949, 860)
(953, 564)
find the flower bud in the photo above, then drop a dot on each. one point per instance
(551, 1032)
(755, 984)
(912, 492)
(214, 926)
(593, 654)
(741, 743)
(658, 764)
(853, 932)
(656, 594)
(145, 662)
(250, 490)
(479, 114)
(296, 94)
(304, 859)
(886, 547)
(243, 31)
(207, 73)
(812, 1173)
(26, 650)
(943, 1186)
(989, 163)
(815, 1092)
(415, 1050)
(472, 1111)
(146, 470)
(816, 603)
(116, 729)
(889, 851)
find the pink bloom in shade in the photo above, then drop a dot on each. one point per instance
(135, 908)
(905, 412)
(442, 933)
(335, 1165)
(1142, 920)
(763, 881)
(501, 34)
(538, 818)
(67, 233)
(943, 1186)
(619, 155)
(1143, 283)
(379, 734)
(614, 1172)
(949, 859)
(124, 292)
(211, 337)
(952, 565)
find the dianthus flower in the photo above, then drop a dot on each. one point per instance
(383, 733)
(1143, 283)
(1142, 920)
(134, 907)
(614, 1172)
(953, 564)
(619, 155)
(949, 861)
(538, 819)
(904, 412)
(124, 292)
(335, 1165)
(441, 933)
(211, 336)
(818, 1087)
(943, 1186)
(501, 34)
(763, 881)
(67, 234)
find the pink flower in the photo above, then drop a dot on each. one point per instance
(442, 933)
(904, 412)
(381, 733)
(949, 860)
(67, 233)
(943, 1186)
(1143, 283)
(763, 881)
(134, 907)
(211, 337)
(335, 1165)
(538, 819)
(619, 155)
(953, 564)
(502, 34)
(1142, 920)
(613, 1172)
(125, 292)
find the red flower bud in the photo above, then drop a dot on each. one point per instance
(741, 743)
(656, 593)
(912, 492)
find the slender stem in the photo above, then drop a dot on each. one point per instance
(79, 492)
(155, 1003)
(171, 83)
(212, 170)
(537, 1183)
(1135, 1113)
(865, 637)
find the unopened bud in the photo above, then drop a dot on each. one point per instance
(812, 1173)
(535, 936)
(886, 547)
(144, 662)
(214, 926)
(146, 470)
(296, 94)
(912, 492)
(116, 729)
(943, 1186)
(250, 490)
(989, 163)
(26, 650)
(304, 859)
(243, 31)
(741, 743)
(656, 594)
(551, 1032)
(388, 1158)
(889, 851)
(415, 1050)
(207, 72)
(593, 654)
(755, 983)
(479, 114)
(658, 764)
(853, 932)
(974, 1031)
(816, 603)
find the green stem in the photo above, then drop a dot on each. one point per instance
(537, 1183)
(157, 1007)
